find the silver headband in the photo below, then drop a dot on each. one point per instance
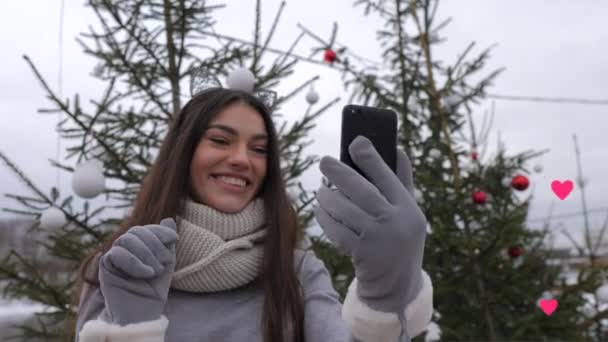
(201, 79)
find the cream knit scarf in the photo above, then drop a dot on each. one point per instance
(217, 251)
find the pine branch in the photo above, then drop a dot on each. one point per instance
(73, 115)
(133, 17)
(133, 73)
(24, 178)
(173, 75)
(272, 29)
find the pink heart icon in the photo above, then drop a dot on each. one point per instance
(548, 306)
(562, 190)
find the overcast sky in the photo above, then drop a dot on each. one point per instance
(549, 48)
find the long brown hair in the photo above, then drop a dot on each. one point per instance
(168, 181)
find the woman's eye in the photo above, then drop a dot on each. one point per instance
(260, 150)
(219, 141)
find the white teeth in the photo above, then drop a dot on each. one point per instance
(232, 180)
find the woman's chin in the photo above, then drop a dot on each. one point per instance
(227, 206)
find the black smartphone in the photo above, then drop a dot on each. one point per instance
(376, 124)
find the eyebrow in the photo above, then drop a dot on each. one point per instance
(233, 131)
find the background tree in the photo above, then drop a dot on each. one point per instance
(489, 269)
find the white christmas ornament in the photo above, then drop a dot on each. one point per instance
(52, 218)
(312, 97)
(434, 153)
(88, 180)
(418, 195)
(470, 167)
(475, 225)
(241, 79)
(341, 277)
(434, 38)
(506, 182)
(87, 239)
(98, 70)
(547, 295)
(451, 101)
(517, 262)
(412, 105)
(602, 293)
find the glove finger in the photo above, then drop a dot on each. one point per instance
(343, 209)
(354, 186)
(341, 236)
(121, 260)
(167, 235)
(364, 154)
(404, 171)
(139, 249)
(169, 223)
(163, 253)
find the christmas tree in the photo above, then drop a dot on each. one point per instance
(147, 54)
(489, 270)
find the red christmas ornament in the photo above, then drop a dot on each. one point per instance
(515, 252)
(474, 155)
(520, 182)
(479, 197)
(330, 56)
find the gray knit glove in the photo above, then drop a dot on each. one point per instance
(135, 274)
(379, 225)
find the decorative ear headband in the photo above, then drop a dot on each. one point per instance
(239, 79)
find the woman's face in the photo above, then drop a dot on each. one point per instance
(229, 163)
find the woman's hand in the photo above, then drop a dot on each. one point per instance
(135, 274)
(379, 225)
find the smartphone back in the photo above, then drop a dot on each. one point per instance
(376, 124)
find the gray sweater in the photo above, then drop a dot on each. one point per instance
(235, 315)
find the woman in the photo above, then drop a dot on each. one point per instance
(223, 263)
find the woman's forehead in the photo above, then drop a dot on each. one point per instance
(240, 119)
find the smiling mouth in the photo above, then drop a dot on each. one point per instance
(230, 185)
(232, 181)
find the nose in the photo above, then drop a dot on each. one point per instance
(239, 156)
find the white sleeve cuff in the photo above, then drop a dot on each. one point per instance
(101, 331)
(367, 324)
